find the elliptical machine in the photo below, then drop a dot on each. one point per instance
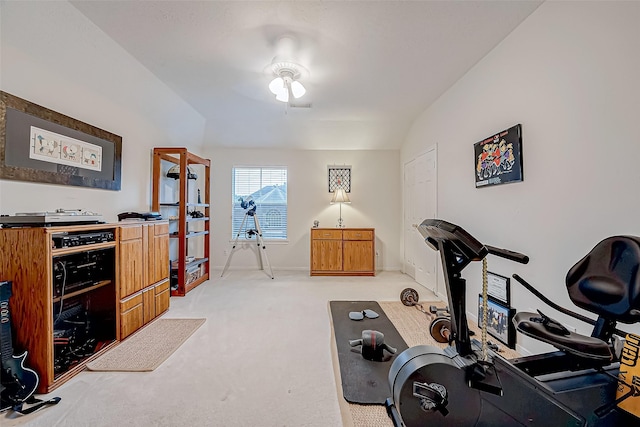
(466, 385)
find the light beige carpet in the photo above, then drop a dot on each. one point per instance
(148, 348)
(413, 325)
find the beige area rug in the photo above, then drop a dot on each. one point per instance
(148, 348)
(413, 326)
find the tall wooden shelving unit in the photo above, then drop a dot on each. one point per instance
(193, 273)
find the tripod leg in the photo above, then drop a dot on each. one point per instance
(235, 243)
(262, 246)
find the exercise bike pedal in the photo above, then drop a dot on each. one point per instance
(482, 376)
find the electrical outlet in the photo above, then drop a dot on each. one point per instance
(226, 252)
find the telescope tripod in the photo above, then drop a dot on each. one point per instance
(262, 249)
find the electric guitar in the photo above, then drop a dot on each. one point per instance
(17, 383)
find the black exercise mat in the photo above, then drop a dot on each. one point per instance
(363, 381)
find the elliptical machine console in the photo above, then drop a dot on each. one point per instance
(466, 385)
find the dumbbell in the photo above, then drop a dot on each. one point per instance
(439, 311)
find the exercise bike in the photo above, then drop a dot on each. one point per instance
(468, 385)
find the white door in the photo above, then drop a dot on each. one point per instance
(408, 225)
(420, 204)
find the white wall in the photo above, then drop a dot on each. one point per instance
(375, 202)
(53, 56)
(569, 74)
(73, 68)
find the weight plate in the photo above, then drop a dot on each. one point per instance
(409, 296)
(440, 329)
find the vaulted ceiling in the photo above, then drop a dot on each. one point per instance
(373, 66)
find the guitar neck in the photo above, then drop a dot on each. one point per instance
(6, 345)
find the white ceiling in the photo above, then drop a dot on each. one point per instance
(374, 66)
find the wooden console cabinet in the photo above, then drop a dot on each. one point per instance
(144, 274)
(343, 252)
(63, 304)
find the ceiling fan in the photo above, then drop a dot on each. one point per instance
(286, 73)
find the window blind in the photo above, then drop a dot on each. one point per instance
(267, 188)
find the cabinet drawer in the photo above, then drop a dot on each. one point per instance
(131, 318)
(128, 303)
(162, 301)
(161, 229)
(130, 232)
(130, 321)
(358, 235)
(326, 234)
(161, 287)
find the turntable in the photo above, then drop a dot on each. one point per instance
(48, 219)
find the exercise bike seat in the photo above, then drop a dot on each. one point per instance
(543, 328)
(606, 281)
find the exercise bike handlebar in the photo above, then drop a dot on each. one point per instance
(510, 255)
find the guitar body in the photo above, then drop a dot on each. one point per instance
(18, 382)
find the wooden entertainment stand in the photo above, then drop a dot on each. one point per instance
(85, 294)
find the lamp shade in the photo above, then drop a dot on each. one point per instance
(277, 86)
(297, 89)
(340, 196)
(283, 96)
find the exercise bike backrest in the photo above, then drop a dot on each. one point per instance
(607, 280)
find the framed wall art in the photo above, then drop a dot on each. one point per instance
(498, 158)
(40, 145)
(499, 321)
(339, 177)
(499, 287)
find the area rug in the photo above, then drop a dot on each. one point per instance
(413, 325)
(148, 348)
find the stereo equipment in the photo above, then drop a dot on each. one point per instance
(81, 270)
(49, 219)
(67, 240)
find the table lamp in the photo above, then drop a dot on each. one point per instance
(340, 196)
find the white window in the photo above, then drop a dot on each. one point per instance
(259, 193)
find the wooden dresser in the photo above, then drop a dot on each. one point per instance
(343, 252)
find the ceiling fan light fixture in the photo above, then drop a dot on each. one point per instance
(286, 85)
(283, 96)
(297, 89)
(277, 85)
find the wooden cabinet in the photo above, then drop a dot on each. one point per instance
(144, 274)
(342, 251)
(188, 212)
(357, 250)
(65, 289)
